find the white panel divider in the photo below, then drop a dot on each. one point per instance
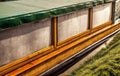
(102, 14)
(72, 24)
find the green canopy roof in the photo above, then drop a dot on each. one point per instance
(14, 13)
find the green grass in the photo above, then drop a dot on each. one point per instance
(104, 63)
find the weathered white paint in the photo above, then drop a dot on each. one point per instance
(20, 41)
(72, 24)
(101, 14)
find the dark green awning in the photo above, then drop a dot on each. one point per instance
(14, 13)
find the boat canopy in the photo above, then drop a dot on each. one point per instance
(14, 13)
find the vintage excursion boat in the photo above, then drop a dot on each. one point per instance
(36, 35)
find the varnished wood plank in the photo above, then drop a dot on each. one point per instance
(73, 38)
(54, 22)
(20, 62)
(57, 52)
(90, 18)
(101, 26)
(41, 68)
(113, 11)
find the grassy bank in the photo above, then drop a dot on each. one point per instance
(104, 63)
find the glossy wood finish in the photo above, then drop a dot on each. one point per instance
(62, 53)
(27, 59)
(39, 62)
(90, 19)
(54, 22)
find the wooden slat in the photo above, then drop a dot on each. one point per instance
(20, 62)
(59, 58)
(113, 11)
(90, 18)
(101, 26)
(54, 22)
(73, 38)
(44, 58)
